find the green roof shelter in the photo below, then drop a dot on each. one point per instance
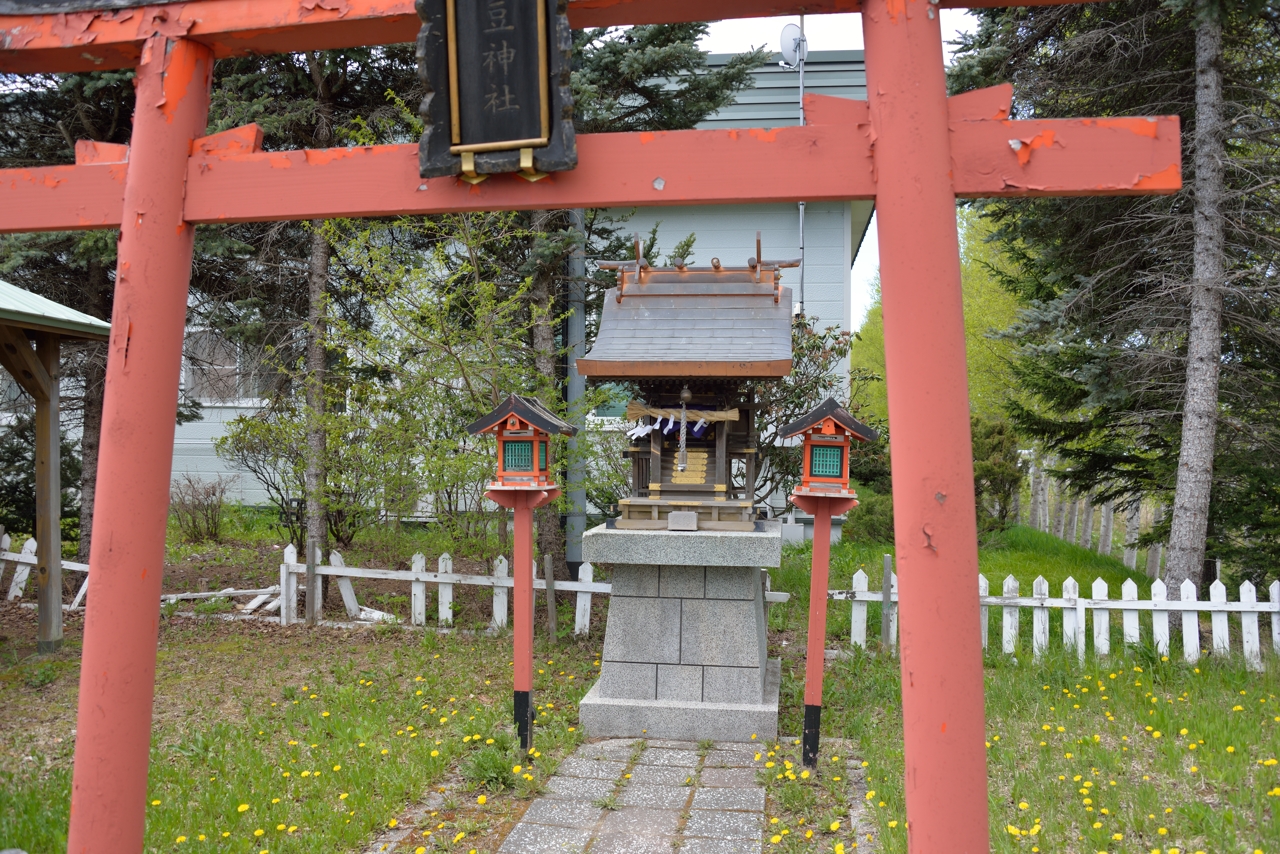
(31, 332)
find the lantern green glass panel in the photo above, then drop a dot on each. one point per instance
(517, 456)
(542, 456)
(825, 461)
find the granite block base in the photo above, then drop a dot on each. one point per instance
(611, 717)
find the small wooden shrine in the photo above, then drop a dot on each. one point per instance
(690, 340)
(828, 430)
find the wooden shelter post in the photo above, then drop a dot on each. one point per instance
(117, 681)
(48, 500)
(933, 502)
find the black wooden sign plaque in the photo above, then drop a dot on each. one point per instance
(498, 98)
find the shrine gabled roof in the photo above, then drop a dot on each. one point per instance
(829, 408)
(530, 410)
(709, 334)
(26, 310)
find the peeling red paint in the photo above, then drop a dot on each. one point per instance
(165, 21)
(1169, 178)
(321, 156)
(647, 137)
(342, 7)
(70, 28)
(1141, 126)
(763, 135)
(1044, 139)
(245, 139)
(18, 37)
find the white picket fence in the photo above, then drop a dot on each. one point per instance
(444, 578)
(23, 562)
(1075, 613)
(418, 578)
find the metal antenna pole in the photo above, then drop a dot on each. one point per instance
(801, 50)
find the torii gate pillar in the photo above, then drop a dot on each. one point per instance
(144, 358)
(933, 501)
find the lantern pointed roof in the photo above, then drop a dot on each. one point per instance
(829, 408)
(528, 409)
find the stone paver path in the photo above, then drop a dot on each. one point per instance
(620, 796)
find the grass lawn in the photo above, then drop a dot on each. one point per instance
(319, 740)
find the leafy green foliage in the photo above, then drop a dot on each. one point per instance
(18, 477)
(872, 520)
(997, 472)
(1103, 282)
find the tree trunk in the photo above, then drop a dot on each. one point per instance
(1106, 529)
(1059, 515)
(1085, 537)
(1155, 549)
(95, 382)
(1132, 527)
(314, 476)
(1204, 338)
(1073, 516)
(1042, 503)
(542, 298)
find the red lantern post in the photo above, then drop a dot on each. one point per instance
(823, 492)
(524, 428)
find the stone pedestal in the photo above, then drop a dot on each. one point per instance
(685, 652)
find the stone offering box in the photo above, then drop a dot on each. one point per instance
(685, 648)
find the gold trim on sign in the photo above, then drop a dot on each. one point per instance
(543, 69)
(451, 30)
(506, 145)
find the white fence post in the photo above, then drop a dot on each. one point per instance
(1070, 591)
(418, 593)
(582, 615)
(1101, 621)
(499, 594)
(1190, 624)
(1039, 618)
(21, 571)
(1010, 622)
(984, 590)
(1274, 594)
(1132, 631)
(1159, 617)
(4, 547)
(444, 591)
(858, 611)
(1221, 639)
(1249, 628)
(289, 587)
(345, 587)
(893, 614)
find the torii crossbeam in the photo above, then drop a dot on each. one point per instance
(908, 146)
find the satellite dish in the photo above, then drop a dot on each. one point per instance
(795, 48)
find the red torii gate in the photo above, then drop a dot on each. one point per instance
(908, 146)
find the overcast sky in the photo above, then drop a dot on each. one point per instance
(825, 32)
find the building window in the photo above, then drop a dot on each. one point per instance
(517, 456)
(826, 461)
(213, 369)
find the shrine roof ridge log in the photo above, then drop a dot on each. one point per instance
(99, 39)
(230, 180)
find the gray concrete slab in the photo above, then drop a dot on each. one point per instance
(607, 545)
(656, 775)
(657, 797)
(617, 749)
(600, 769)
(624, 843)
(629, 579)
(544, 839)
(751, 800)
(628, 681)
(703, 845)
(562, 813)
(680, 683)
(731, 757)
(641, 821)
(643, 629)
(719, 824)
(582, 789)
(669, 758)
(731, 778)
(682, 582)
